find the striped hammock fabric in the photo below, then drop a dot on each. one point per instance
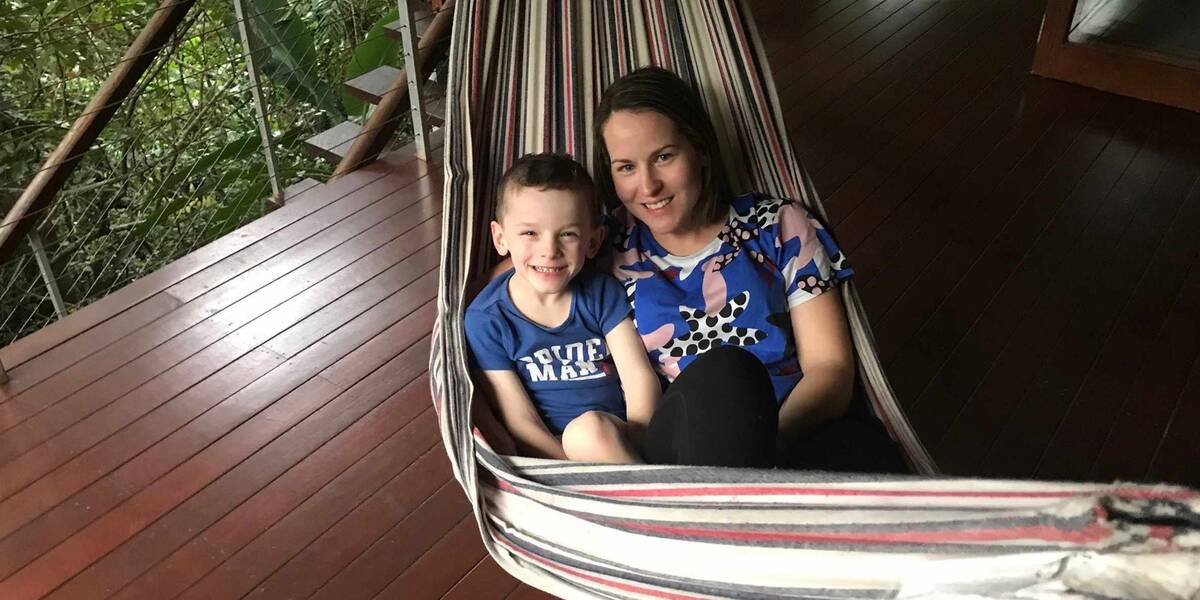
(525, 77)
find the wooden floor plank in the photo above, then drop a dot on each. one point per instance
(399, 548)
(1034, 416)
(1149, 404)
(847, 181)
(798, 35)
(781, 27)
(1095, 406)
(240, 277)
(921, 66)
(283, 517)
(1069, 252)
(163, 389)
(527, 592)
(286, 573)
(269, 253)
(942, 204)
(192, 496)
(83, 321)
(64, 519)
(1037, 233)
(486, 581)
(444, 565)
(1175, 457)
(370, 451)
(973, 244)
(87, 317)
(925, 31)
(179, 412)
(281, 342)
(800, 77)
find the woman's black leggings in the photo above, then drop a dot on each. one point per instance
(721, 411)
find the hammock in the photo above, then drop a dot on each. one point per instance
(525, 77)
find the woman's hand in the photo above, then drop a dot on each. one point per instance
(826, 355)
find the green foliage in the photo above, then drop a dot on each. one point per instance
(287, 54)
(180, 164)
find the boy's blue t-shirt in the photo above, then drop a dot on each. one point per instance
(566, 370)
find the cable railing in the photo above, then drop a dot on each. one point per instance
(207, 136)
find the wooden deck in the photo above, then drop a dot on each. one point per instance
(254, 420)
(1026, 248)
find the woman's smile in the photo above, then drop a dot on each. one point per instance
(658, 204)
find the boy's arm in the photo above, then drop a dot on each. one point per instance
(520, 417)
(638, 381)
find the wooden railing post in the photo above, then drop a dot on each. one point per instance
(37, 197)
(382, 124)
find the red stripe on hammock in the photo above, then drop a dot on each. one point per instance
(1091, 534)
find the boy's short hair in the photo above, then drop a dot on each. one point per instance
(548, 171)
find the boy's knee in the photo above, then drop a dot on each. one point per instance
(589, 433)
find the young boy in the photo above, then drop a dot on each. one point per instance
(552, 335)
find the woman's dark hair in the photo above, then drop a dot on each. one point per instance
(661, 91)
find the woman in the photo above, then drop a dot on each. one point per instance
(736, 299)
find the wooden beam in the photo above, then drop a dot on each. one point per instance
(382, 124)
(54, 172)
(1125, 70)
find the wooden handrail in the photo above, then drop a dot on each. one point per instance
(382, 124)
(83, 133)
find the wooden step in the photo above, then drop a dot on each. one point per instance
(372, 85)
(422, 18)
(299, 187)
(332, 144)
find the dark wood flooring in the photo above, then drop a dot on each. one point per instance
(1027, 249)
(254, 420)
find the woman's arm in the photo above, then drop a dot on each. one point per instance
(520, 417)
(826, 355)
(638, 381)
